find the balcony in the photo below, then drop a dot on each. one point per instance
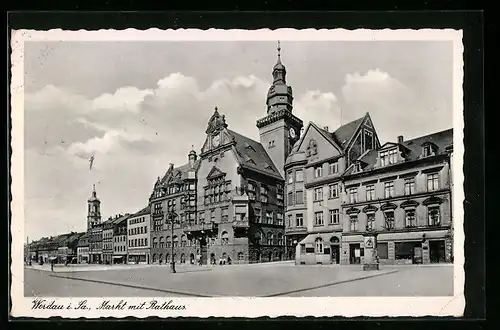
(201, 227)
(241, 223)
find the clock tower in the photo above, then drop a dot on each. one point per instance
(94, 210)
(280, 129)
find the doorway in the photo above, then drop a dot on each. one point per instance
(437, 251)
(335, 254)
(354, 253)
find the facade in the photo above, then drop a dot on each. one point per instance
(120, 241)
(314, 185)
(83, 249)
(402, 192)
(138, 237)
(174, 197)
(107, 241)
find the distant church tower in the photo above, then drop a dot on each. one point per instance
(280, 129)
(94, 210)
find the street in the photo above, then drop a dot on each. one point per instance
(261, 280)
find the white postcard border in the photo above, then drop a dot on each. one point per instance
(237, 306)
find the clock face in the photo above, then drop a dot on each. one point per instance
(216, 140)
(292, 133)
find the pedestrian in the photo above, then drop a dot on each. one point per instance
(52, 266)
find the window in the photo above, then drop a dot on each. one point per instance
(333, 168)
(299, 176)
(433, 215)
(432, 181)
(370, 192)
(225, 238)
(289, 221)
(290, 177)
(409, 186)
(353, 195)
(258, 215)
(370, 220)
(271, 144)
(318, 171)
(269, 217)
(356, 167)
(334, 217)
(168, 242)
(251, 191)
(290, 198)
(389, 189)
(225, 215)
(333, 191)
(368, 140)
(318, 219)
(157, 208)
(176, 241)
(263, 194)
(318, 194)
(353, 222)
(410, 220)
(299, 197)
(212, 215)
(162, 242)
(427, 150)
(279, 195)
(389, 220)
(302, 248)
(299, 220)
(388, 157)
(270, 239)
(319, 245)
(215, 191)
(279, 218)
(280, 239)
(183, 240)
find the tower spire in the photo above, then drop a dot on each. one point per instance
(279, 52)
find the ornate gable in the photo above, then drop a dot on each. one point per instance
(216, 123)
(215, 173)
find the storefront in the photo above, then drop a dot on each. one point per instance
(321, 248)
(416, 247)
(138, 258)
(117, 259)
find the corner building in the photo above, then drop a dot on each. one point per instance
(402, 192)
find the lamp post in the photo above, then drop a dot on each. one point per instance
(171, 216)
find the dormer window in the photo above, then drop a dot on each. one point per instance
(356, 167)
(428, 149)
(388, 157)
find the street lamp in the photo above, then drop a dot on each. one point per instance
(171, 219)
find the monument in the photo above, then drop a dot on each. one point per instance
(370, 260)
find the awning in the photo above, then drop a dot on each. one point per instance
(53, 258)
(117, 257)
(411, 236)
(312, 237)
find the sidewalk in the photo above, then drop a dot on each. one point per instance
(84, 268)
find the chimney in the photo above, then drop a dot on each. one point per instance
(400, 139)
(170, 166)
(325, 128)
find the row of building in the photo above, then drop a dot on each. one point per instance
(304, 194)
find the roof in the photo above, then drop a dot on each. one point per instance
(251, 154)
(180, 172)
(442, 140)
(344, 133)
(144, 211)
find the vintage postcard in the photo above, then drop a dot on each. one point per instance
(233, 173)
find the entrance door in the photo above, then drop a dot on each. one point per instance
(354, 253)
(437, 251)
(335, 254)
(204, 251)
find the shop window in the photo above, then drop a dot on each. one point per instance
(383, 250)
(319, 245)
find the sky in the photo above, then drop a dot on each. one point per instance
(138, 106)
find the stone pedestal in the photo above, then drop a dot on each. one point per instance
(370, 260)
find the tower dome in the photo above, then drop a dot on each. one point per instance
(280, 95)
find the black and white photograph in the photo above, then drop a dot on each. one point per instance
(152, 168)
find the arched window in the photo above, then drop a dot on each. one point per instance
(280, 239)
(160, 258)
(183, 258)
(154, 257)
(319, 245)
(183, 240)
(176, 241)
(224, 238)
(270, 239)
(155, 242)
(168, 241)
(162, 242)
(334, 240)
